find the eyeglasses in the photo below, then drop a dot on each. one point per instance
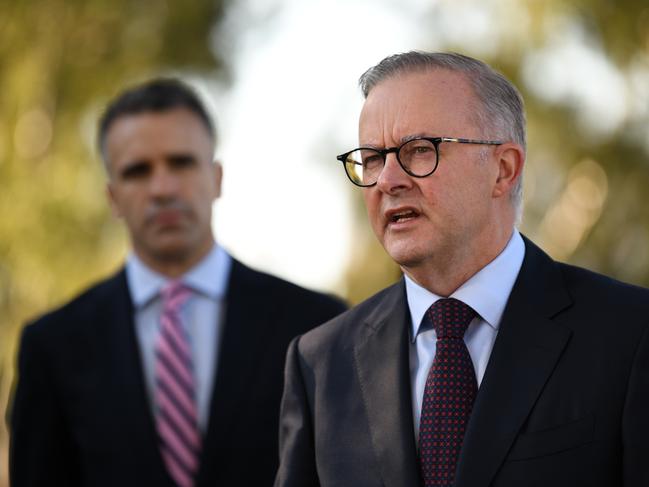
(419, 157)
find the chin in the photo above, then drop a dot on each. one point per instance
(404, 255)
(172, 251)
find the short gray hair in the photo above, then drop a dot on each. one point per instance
(501, 105)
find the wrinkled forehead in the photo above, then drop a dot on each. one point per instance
(433, 102)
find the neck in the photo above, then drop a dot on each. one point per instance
(443, 276)
(174, 266)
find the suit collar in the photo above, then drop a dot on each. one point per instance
(381, 360)
(115, 337)
(208, 277)
(526, 351)
(245, 331)
(240, 347)
(487, 291)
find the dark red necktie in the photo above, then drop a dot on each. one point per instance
(451, 388)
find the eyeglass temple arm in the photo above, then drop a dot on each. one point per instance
(470, 141)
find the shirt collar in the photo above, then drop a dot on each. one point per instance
(487, 291)
(208, 277)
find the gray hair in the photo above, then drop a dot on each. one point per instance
(501, 106)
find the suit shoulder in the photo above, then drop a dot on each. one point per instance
(343, 331)
(280, 290)
(82, 310)
(603, 290)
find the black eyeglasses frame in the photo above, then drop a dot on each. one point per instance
(436, 141)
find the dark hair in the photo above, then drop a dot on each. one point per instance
(156, 95)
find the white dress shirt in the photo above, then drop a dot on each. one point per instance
(202, 316)
(487, 292)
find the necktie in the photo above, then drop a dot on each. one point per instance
(175, 398)
(450, 390)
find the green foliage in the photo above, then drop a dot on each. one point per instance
(60, 60)
(57, 59)
(585, 189)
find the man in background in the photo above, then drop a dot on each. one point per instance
(489, 364)
(170, 372)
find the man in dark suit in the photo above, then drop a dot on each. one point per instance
(489, 364)
(170, 372)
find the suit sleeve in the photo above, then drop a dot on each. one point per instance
(40, 448)
(296, 442)
(636, 419)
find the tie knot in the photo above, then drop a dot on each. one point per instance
(174, 295)
(450, 317)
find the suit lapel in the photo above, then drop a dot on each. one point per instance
(526, 351)
(382, 366)
(241, 343)
(125, 375)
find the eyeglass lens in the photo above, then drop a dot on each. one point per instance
(418, 157)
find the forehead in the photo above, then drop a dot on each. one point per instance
(435, 102)
(149, 132)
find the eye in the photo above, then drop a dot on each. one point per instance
(419, 147)
(181, 161)
(416, 150)
(372, 160)
(135, 170)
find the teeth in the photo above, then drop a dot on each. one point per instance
(404, 214)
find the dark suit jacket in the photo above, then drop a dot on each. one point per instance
(81, 415)
(564, 401)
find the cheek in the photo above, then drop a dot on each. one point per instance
(123, 205)
(374, 215)
(203, 199)
(433, 199)
(372, 204)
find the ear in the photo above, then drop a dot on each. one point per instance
(218, 178)
(511, 159)
(112, 200)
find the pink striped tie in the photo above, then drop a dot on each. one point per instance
(177, 417)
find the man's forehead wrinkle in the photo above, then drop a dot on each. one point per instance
(393, 131)
(384, 120)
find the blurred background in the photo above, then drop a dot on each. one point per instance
(280, 77)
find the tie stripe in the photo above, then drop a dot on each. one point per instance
(172, 328)
(172, 393)
(175, 367)
(181, 423)
(178, 472)
(177, 417)
(184, 456)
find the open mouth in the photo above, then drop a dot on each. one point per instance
(403, 216)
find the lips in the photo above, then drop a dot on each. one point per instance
(401, 215)
(169, 214)
(167, 217)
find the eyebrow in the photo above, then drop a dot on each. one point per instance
(403, 140)
(408, 138)
(181, 157)
(133, 167)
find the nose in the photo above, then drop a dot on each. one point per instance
(392, 178)
(163, 183)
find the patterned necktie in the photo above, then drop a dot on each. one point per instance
(451, 388)
(175, 398)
